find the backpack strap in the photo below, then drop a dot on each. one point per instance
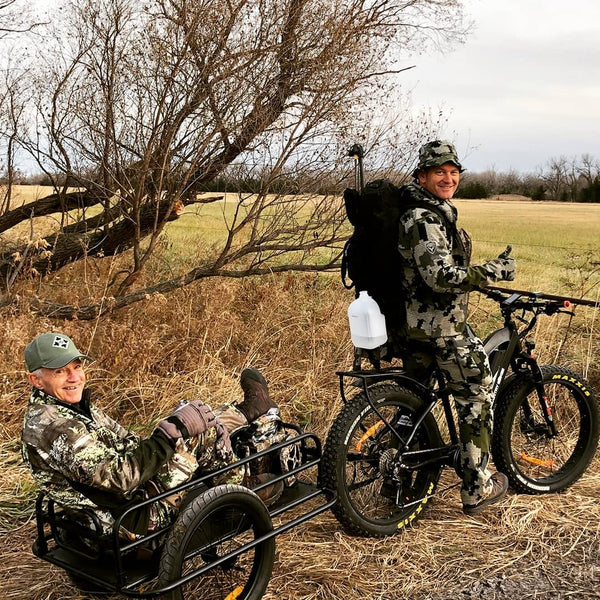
(352, 201)
(344, 267)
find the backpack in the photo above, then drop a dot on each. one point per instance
(370, 259)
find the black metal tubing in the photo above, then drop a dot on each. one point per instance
(442, 454)
(392, 374)
(198, 572)
(120, 549)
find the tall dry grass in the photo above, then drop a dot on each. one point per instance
(194, 343)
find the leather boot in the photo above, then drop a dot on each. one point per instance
(498, 491)
(256, 395)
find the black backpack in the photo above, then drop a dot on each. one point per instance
(371, 260)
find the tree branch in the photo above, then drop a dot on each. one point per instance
(110, 304)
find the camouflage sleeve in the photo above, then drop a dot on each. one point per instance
(425, 235)
(83, 456)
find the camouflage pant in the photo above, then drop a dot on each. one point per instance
(465, 366)
(192, 455)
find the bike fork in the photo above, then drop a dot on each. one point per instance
(540, 390)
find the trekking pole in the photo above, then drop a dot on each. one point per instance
(357, 153)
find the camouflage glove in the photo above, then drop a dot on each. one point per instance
(223, 442)
(503, 268)
(188, 420)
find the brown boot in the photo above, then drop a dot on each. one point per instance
(256, 395)
(270, 493)
(499, 489)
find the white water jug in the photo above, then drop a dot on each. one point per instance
(367, 323)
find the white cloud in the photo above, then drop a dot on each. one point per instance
(523, 88)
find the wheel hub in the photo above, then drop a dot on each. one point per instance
(387, 462)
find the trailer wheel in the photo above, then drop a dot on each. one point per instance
(207, 534)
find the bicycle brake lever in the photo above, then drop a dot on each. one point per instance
(554, 308)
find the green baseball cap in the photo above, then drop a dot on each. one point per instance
(436, 153)
(52, 351)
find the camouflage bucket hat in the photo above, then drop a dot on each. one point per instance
(434, 154)
(52, 351)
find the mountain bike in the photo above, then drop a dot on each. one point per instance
(386, 449)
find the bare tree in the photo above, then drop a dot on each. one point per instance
(589, 169)
(13, 96)
(15, 21)
(15, 18)
(141, 105)
(556, 177)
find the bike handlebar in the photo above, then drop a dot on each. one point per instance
(531, 301)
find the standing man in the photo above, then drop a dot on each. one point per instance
(438, 276)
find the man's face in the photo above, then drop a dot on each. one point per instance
(65, 384)
(441, 181)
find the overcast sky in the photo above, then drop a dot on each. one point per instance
(524, 88)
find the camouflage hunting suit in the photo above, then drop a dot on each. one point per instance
(437, 278)
(83, 459)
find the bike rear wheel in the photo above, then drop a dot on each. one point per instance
(212, 526)
(360, 462)
(534, 460)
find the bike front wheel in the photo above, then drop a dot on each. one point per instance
(536, 460)
(361, 462)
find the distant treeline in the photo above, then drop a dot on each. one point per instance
(561, 179)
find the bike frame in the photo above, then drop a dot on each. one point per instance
(506, 349)
(445, 454)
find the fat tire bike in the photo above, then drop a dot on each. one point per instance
(386, 449)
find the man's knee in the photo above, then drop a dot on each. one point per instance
(231, 417)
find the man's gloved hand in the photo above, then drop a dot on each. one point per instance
(223, 443)
(188, 420)
(503, 268)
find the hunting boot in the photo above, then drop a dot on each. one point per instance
(498, 491)
(257, 401)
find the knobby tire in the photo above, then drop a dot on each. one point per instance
(535, 461)
(357, 444)
(211, 525)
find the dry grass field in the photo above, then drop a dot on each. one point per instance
(195, 343)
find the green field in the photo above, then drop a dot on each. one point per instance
(556, 244)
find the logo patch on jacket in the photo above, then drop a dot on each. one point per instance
(431, 247)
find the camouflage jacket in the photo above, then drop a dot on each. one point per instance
(82, 458)
(437, 273)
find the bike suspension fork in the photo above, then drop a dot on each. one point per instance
(540, 389)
